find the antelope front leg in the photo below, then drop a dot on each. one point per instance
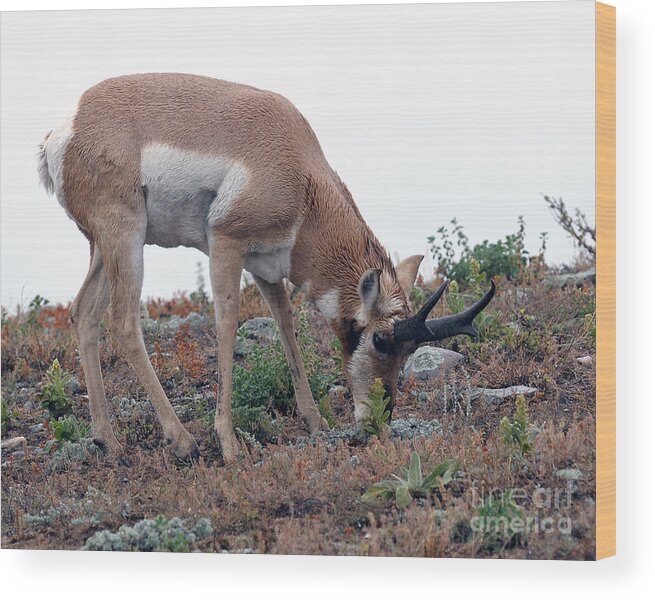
(278, 301)
(225, 264)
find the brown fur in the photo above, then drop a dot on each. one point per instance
(290, 188)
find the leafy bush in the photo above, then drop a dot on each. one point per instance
(66, 429)
(377, 421)
(411, 483)
(451, 250)
(53, 396)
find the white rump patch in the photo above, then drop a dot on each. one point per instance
(328, 304)
(51, 160)
(185, 192)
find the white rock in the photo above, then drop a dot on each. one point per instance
(492, 396)
(13, 442)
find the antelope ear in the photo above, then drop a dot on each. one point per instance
(406, 272)
(369, 288)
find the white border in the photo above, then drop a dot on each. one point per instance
(27, 574)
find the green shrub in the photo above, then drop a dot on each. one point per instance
(377, 420)
(263, 387)
(53, 396)
(325, 409)
(411, 483)
(451, 250)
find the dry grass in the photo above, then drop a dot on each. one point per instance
(296, 497)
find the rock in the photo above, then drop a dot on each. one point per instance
(73, 386)
(13, 443)
(585, 360)
(26, 393)
(407, 429)
(571, 279)
(260, 328)
(492, 396)
(429, 363)
(355, 460)
(243, 346)
(36, 428)
(194, 320)
(569, 474)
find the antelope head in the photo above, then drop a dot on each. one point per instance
(385, 332)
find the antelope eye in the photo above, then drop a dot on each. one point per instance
(381, 345)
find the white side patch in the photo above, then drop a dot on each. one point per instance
(186, 191)
(234, 181)
(328, 304)
(54, 150)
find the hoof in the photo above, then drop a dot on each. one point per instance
(230, 447)
(108, 445)
(185, 449)
(316, 423)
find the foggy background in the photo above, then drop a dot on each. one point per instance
(427, 112)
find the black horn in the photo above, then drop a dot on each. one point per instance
(419, 329)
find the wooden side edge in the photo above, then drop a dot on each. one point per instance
(606, 280)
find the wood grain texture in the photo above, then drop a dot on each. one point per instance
(606, 280)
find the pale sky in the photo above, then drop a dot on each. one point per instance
(427, 112)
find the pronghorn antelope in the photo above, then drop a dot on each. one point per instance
(236, 172)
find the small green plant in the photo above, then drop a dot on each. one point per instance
(496, 521)
(337, 355)
(487, 323)
(200, 294)
(320, 370)
(325, 409)
(66, 429)
(411, 483)
(590, 326)
(34, 309)
(8, 415)
(377, 421)
(455, 300)
(53, 397)
(518, 433)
